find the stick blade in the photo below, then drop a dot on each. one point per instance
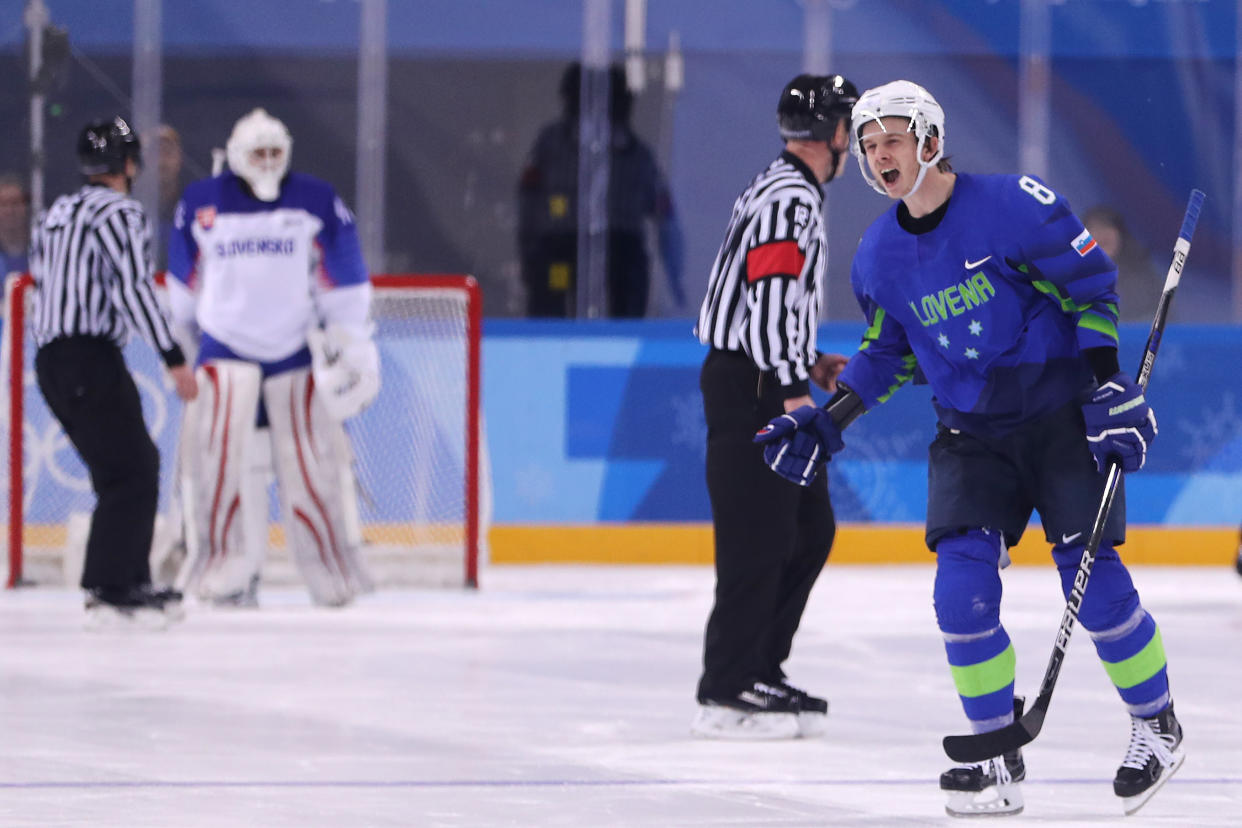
(979, 747)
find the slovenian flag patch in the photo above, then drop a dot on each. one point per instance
(1085, 243)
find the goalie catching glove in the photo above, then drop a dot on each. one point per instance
(1120, 424)
(345, 364)
(797, 443)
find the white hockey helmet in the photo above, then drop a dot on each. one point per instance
(253, 134)
(898, 99)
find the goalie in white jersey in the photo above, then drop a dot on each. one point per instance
(265, 266)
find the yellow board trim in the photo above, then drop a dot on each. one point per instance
(856, 543)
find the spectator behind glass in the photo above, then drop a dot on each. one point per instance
(548, 211)
(169, 169)
(14, 224)
(1138, 283)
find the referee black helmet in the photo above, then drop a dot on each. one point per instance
(811, 106)
(105, 146)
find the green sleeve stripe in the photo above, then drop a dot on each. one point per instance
(987, 676)
(873, 331)
(1139, 667)
(898, 381)
(909, 361)
(1051, 290)
(872, 334)
(1094, 322)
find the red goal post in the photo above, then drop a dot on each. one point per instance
(419, 468)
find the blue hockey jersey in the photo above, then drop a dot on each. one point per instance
(994, 305)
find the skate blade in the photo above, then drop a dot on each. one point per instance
(1131, 804)
(812, 725)
(1006, 801)
(723, 723)
(103, 619)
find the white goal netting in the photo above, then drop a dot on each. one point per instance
(420, 474)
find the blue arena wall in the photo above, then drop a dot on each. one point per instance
(595, 440)
(593, 422)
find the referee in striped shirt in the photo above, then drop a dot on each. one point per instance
(91, 261)
(759, 316)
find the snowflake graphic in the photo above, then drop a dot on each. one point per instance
(971, 353)
(689, 428)
(976, 328)
(943, 340)
(1218, 426)
(874, 481)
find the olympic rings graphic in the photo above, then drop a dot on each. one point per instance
(46, 448)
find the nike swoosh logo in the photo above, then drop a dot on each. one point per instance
(970, 264)
(1071, 538)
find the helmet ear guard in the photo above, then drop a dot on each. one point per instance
(898, 99)
(259, 131)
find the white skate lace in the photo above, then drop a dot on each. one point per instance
(995, 768)
(1145, 742)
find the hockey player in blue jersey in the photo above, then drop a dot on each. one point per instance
(266, 270)
(991, 288)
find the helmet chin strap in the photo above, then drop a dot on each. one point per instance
(836, 164)
(924, 166)
(918, 179)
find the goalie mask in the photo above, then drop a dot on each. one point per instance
(258, 152)
(899, 99)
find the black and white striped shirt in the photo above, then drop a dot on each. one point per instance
(763, 295)
(90, 256)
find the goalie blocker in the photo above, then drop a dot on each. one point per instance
(226, 479)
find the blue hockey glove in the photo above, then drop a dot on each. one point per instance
(1120, 424)
(797, 443)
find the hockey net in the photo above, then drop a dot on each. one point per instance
(420, 475)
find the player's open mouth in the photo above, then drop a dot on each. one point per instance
(889, 176)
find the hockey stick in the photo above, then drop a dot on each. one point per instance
(979, 747)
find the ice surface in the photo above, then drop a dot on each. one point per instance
(561, 696)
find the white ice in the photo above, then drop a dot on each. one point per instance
(561, 696)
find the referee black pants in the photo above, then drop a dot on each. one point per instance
(89, 388)
(772, 537)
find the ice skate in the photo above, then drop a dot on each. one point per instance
(247, 598)
(142, 607)
(1155, 754)
(987, 788)
(812, 710)
(761, 711)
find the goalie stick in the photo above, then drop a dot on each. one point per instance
(979, 747)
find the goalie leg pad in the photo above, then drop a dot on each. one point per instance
(308, 458)
(223, 557)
